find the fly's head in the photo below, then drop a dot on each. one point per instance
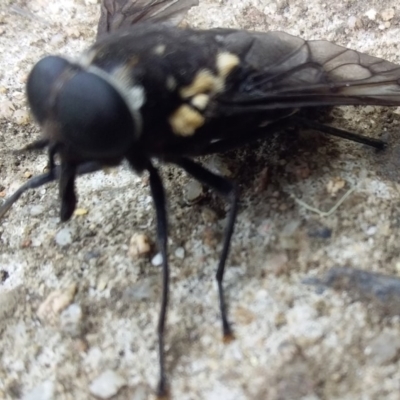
(84, 117)
(81, 111)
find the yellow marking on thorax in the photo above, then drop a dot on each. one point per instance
(226, 62)
(206, 82)
(200, 101)
(203, 82)
(185, 120)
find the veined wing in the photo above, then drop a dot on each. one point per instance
(120, 14)
(283, 71)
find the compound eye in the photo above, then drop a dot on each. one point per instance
(94, 117)
(41, 83)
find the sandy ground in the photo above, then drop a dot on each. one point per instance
(292, 341)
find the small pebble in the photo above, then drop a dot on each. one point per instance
(354, 22)
(107, 384)
(387, 14)
(57, 39)
(383, 349)
(180, 253)
(193, 191)
(9, 302)
(71, 320)
(157, 260)
(6, 109)
(139, 246)
(36, 210)
(334, 185)
(371, 14)
(64, 237)
(80, 211)
(21, 117)
(43, 391)
(55, 303)
(217, 165)
(102, 282)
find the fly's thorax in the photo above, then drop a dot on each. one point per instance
(169, 78)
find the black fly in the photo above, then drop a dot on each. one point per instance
(148, 89)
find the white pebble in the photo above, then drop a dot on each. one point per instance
(217, 165)
(180, 252)
(193, 191)
(71, 320)
(64, 237)
(157, 260)
(352, 22)
(371, 14)
(36, 210)
(43, 391)
(107, 384)
(57, 39)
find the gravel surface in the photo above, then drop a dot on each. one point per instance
(79, 302)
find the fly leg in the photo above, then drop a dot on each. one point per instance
(281, 124)
(158, 194)
(228, 190)
(43, 179)
(330, 130)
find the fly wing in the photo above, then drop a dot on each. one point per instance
(120, 14)
(283, 71)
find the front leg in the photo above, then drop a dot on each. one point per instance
(158, 194)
